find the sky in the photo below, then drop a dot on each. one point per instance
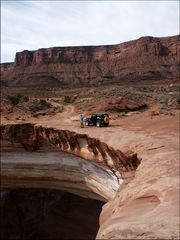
(30, 25)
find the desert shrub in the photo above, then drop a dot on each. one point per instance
(43, 103)
(157, 74)
(164, 106)
(39, 105)
(50, 111)
(178, 100)
(14, 99)
(166, 112)
(144, 107)
(25, 98)
(60, 109)
(67, 99)
(122, 114)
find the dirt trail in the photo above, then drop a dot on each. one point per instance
(69, 110)
(56, 120)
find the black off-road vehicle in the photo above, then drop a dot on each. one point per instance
(99, 120)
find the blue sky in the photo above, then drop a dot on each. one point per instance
(38, 24)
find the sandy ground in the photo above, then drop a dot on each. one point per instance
(136, 132)
(134, 129)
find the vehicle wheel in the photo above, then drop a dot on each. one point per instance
(98, 124)
(106, 120)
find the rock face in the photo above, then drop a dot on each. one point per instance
(144, 207)
(147, 58)
(56, 170)
(42, 166)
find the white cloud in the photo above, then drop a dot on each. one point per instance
(37, 24)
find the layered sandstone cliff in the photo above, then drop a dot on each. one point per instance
(147, 58)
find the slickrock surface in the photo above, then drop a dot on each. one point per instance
(146, 205)
(147, 58)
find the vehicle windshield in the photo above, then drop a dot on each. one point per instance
(102, 115)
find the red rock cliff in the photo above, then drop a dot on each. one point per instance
(147, 58)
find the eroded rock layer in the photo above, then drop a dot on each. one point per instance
(33, 137)
(147, 58)
(56, 170)
(31, 159)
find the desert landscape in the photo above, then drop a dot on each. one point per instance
(61, 181)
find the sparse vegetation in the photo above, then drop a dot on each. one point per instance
(14, 99)
(122, 114)
(136, 97)
(178, 100)
(25, 98)
(60, 109)
(67, 99)
(50, 111)
(39, 105)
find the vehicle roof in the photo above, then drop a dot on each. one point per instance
(103, 113)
